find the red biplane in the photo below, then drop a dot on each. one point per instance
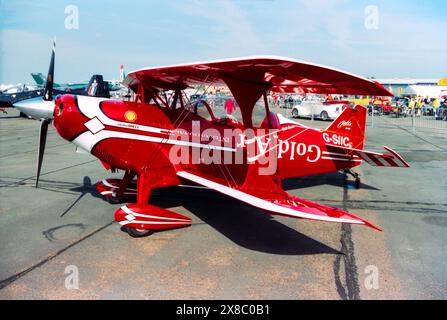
(164, 142)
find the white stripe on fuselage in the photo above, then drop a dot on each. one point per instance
(88, 140)
(89, 107)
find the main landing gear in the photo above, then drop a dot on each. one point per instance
(138, 233)
(356, 177)
(118, 190)
(141, 219)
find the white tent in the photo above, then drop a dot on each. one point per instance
(429, 91)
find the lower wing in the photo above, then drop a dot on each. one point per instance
(276, 200)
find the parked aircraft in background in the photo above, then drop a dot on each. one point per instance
(18, 93)
(38, 104)
(40, 79)
(113, 85)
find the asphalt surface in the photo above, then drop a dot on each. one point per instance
(232, 251)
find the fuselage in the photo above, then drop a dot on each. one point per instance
(141, 137)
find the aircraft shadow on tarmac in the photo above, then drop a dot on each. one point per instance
(70, 188)
(247, 226)
(335, 179)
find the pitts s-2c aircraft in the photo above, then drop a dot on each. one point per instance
(163, 142)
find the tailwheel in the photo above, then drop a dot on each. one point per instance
(356, 176)
(357, 183)
(138, 233)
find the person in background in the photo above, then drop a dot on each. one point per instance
(436, 105)
(275, 100)
(229, 107)
(412, 105)
(418, 105)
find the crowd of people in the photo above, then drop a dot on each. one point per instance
(285, 101)
(420, 105)
(409, 105)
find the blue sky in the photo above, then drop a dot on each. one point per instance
(410, 40)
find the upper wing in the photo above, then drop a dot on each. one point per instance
(388, 159)
(273, 73)
(268, 196)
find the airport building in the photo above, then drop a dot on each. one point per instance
(432, 88)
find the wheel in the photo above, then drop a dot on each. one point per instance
(324, 116)
(138, 233)
(295, 113)
(24, 115)
(114, 200)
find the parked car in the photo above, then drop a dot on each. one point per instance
(377, 109)
(382, 105)
(361, 100)
(318, 108)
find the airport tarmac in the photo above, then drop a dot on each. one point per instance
(231, 251)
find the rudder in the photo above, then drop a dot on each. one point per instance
(350, 123)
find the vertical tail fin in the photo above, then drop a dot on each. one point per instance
(97, 87)
(39, 78)
(351, 124)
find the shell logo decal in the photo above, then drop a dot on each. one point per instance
(130, 116)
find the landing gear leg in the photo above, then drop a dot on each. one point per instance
(143, 195)
(127, 179)
(118, 196)
(141, 219)
(355, 175)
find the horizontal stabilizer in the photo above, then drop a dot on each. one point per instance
(388, 159)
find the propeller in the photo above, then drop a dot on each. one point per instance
(42, 142)
(48, 91)
(47, 96)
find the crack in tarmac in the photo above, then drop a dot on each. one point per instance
(31, 151)
(20, 182)
(6, 282)
(350, 290)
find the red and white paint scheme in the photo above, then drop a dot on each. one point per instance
(139, 138)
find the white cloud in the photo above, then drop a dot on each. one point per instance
(232, 31)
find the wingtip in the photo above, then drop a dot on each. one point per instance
(368, 224)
